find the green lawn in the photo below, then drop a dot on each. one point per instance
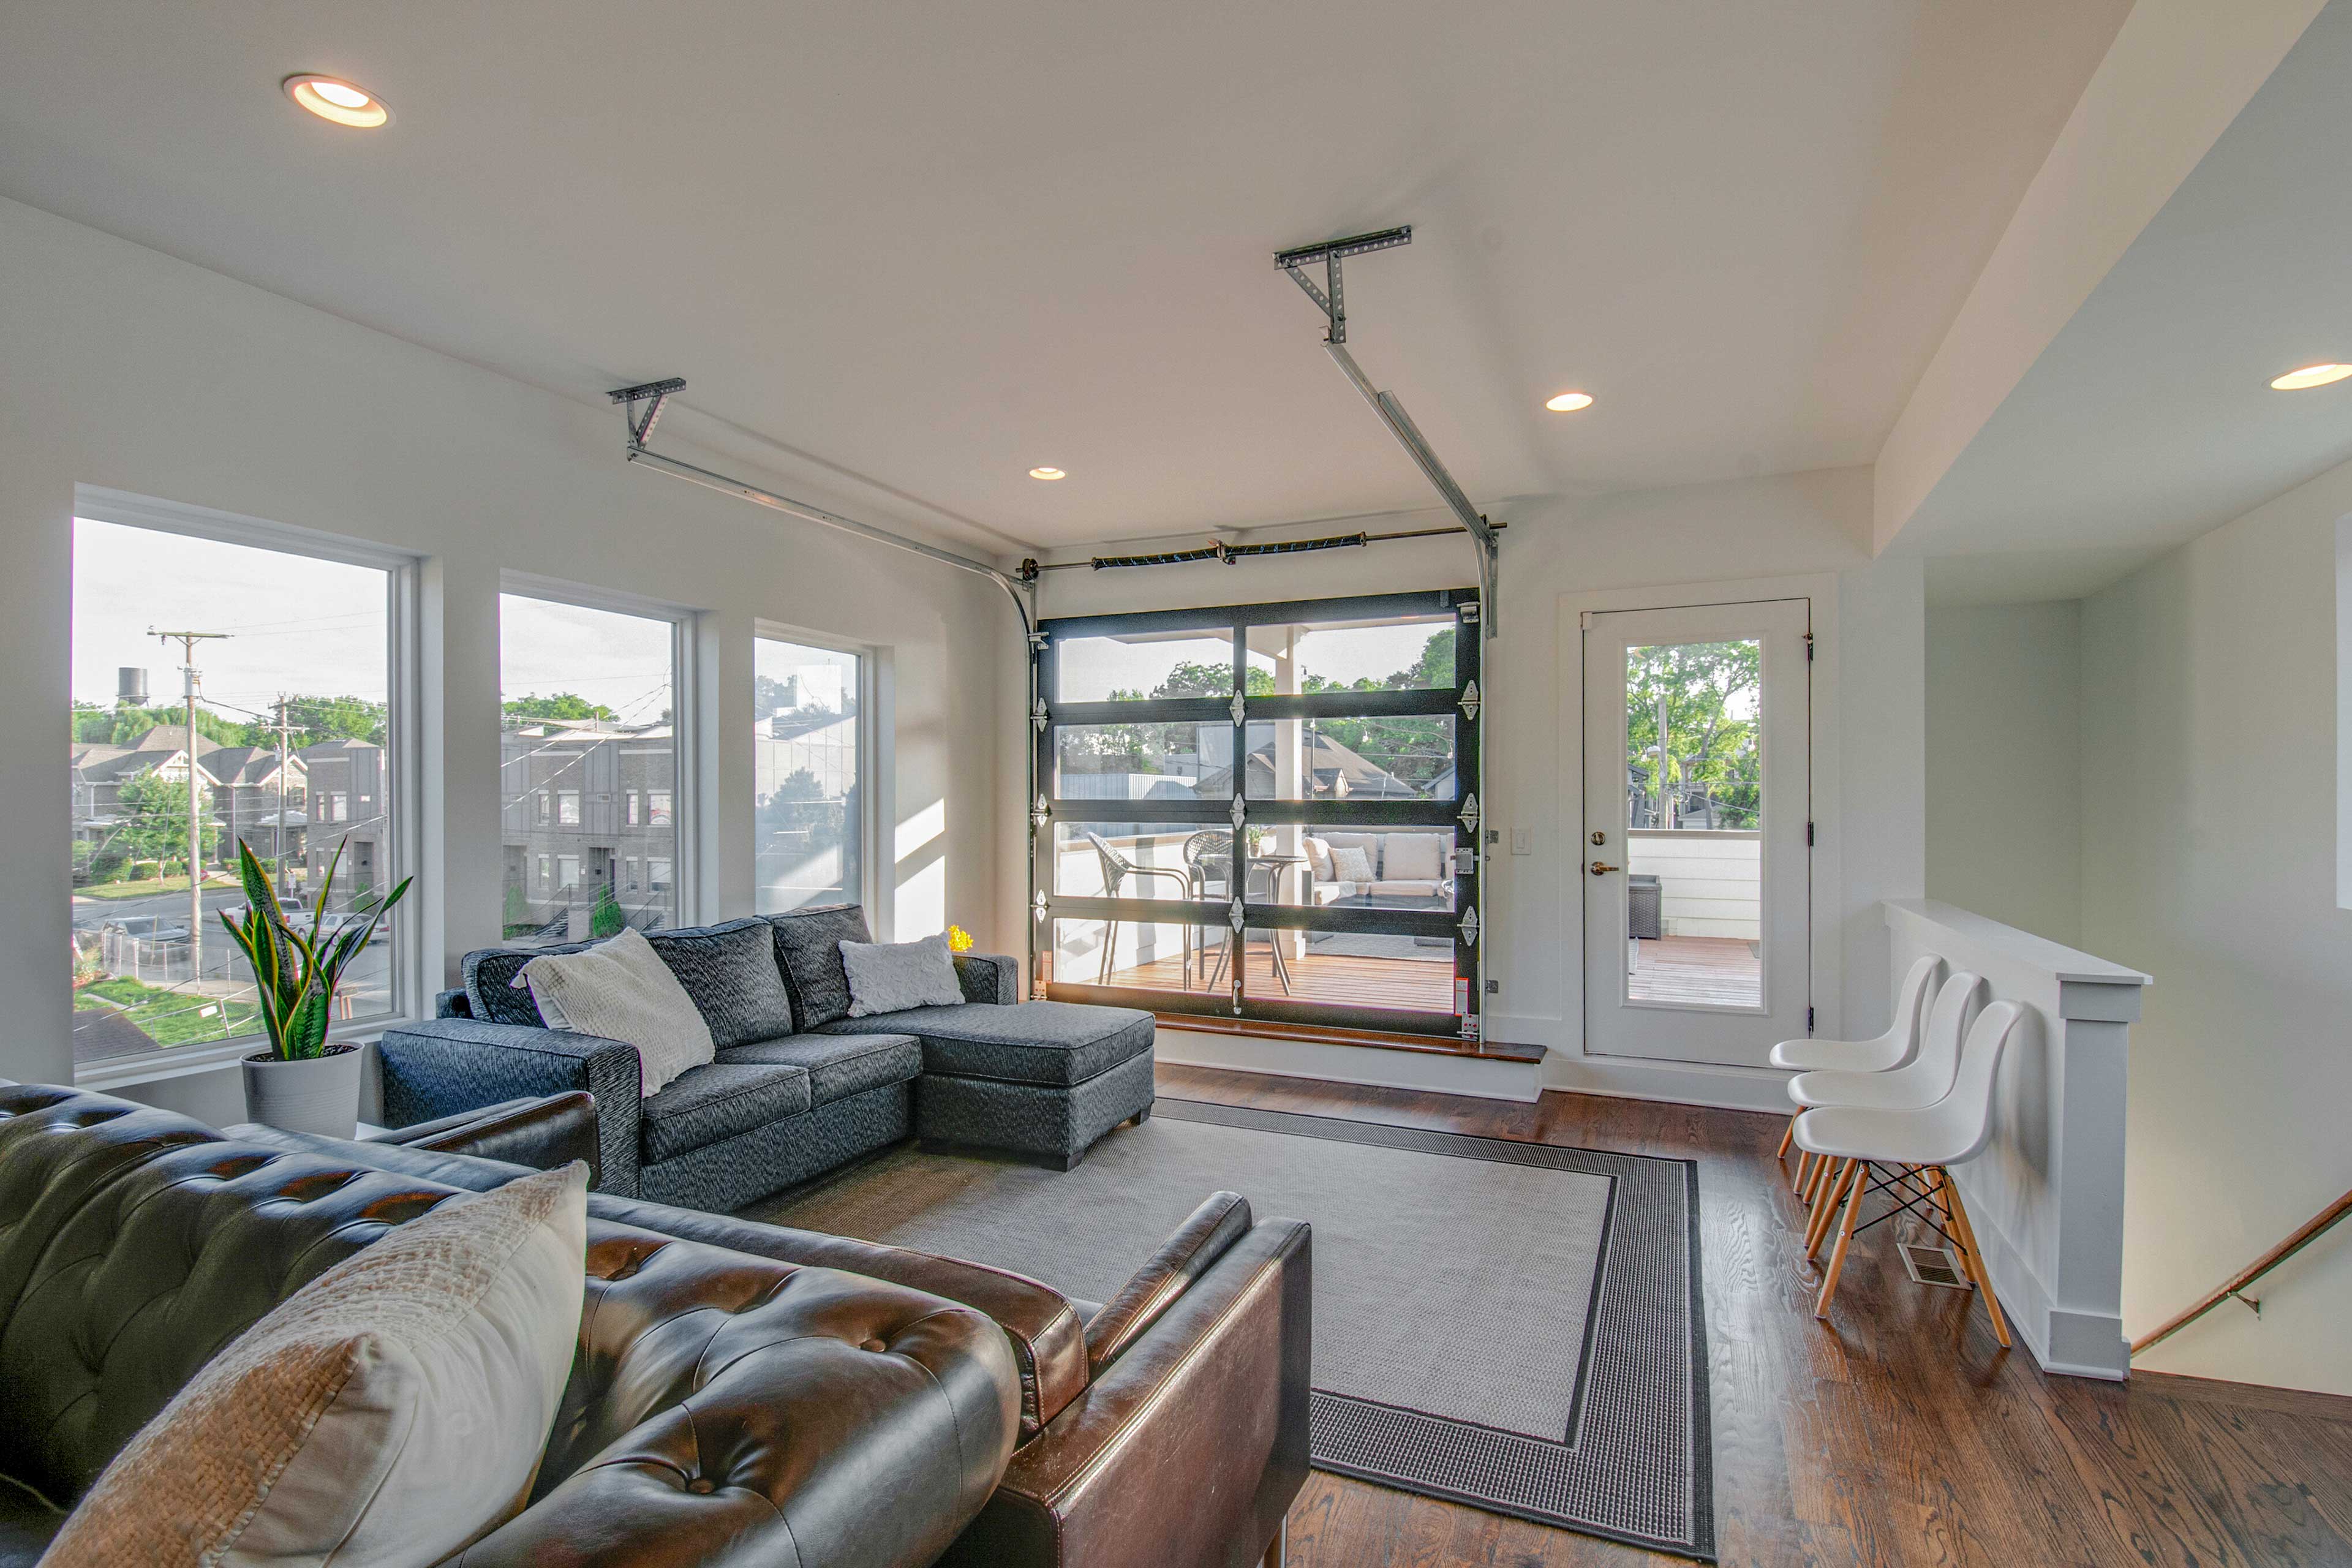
(171, 1017)
(147, 888)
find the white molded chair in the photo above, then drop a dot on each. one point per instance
(1888, 1051)
(1925, 1079)
(1906, 1152)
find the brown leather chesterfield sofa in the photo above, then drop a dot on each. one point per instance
(1166, 1427)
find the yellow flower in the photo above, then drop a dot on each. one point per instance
(958, 939)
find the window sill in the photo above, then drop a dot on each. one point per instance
(155, 1067)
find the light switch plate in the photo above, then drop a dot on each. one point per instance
(1522, 841)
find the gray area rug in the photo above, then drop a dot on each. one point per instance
(1505, 1324)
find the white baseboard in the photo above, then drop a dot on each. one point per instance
(1433, 1072)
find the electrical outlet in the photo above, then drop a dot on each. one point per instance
(1523, 841)
(1494, 988)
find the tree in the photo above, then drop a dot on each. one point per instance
(126, 726)
(1709, 690)
(604, 917)
(800, 806)
(562, 705)
(155, 818)
(316, 719)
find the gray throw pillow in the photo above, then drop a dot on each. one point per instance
(890, 978)
(731, 971)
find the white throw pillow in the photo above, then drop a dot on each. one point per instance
(1318, 858)
(391, 1412)
(1412, 858)
(890, 978)
(1350, 864)
(622, 989)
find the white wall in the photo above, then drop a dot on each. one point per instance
(1805, 524)
(2210, 702)
(2005, 763)
(128, 369)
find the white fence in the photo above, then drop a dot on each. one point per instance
(1711, 884)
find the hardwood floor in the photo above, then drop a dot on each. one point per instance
(1897, 1432)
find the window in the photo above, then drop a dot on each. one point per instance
(1306, 770)
(291, 669)
(808, 731)
(628, 808)
(589, 696)
(657, 805)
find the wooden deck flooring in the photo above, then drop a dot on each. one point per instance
(1897, 1432)
(1721, 972)
(1411, 984)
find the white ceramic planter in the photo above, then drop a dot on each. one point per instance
(318, 1095)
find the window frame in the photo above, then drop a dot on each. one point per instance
(1459, 815)
(412, 975)
(870, 808)
(685, 708)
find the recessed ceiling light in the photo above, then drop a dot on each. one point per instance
(1569, 402)
(331, 98)
(1057, 474)
(2311, 375)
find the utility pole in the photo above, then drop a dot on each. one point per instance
(278, 845)
(188, 641)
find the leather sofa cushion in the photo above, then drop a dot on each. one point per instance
(838, 1065)
(731, 971)
(26, 1526)
(1051, 1043)
(706, 1104)
(808, 946)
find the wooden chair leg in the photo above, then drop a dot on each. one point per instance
(1825, 1205)
(1971, 1259)
(1787, 1136)
(1822, 1167)
(1857, 1183)
(1804, 1178)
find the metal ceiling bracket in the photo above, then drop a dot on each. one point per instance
(1333, 301)
(652, 394)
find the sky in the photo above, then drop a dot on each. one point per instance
(295, 624)
(621, 661)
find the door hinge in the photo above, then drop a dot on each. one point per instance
(1809, 836)
(1808, 647)
(1809, 1020)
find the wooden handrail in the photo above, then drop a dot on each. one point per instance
(2235, 1289)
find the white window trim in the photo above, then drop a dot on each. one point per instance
(685, 710)
(871, 743)
(413, 981)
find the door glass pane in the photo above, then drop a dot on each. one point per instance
(1354, 868)
(1411, 654)
(1162, 860)
(1401, 757)
(1347, 968)
(1140, 954)
(1694, 811)
(807, 835)
(588, 771)
(1164, 761)
(1144, 665)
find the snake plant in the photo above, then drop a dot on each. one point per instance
(294, 976)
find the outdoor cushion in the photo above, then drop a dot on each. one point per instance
(838, 1065)
(709, 1103)
(1053, 1043)
(1318, 856)
(808, 945)
(1403, 889)
(732, 974)
(1351, 864)
(1370, 843)
(1413, 856)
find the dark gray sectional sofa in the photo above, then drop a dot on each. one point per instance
(798, 1087)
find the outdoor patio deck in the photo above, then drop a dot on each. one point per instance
(1713, 971)
(1418, 985)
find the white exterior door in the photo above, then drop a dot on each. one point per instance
(1695, 853)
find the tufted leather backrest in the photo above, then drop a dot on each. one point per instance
(134, 1244)
(717, 1401)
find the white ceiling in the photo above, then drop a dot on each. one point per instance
(926, 247)
(2149, 418)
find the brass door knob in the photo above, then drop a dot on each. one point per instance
(1599, 870)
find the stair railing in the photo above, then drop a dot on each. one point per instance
(2235, 1290)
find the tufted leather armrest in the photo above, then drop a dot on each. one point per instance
(542, 1132)
(1182, 1259)
(729, 1408)
(1192, 1445)
(1048, 1340)
(440, 1067)
(989, 977)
